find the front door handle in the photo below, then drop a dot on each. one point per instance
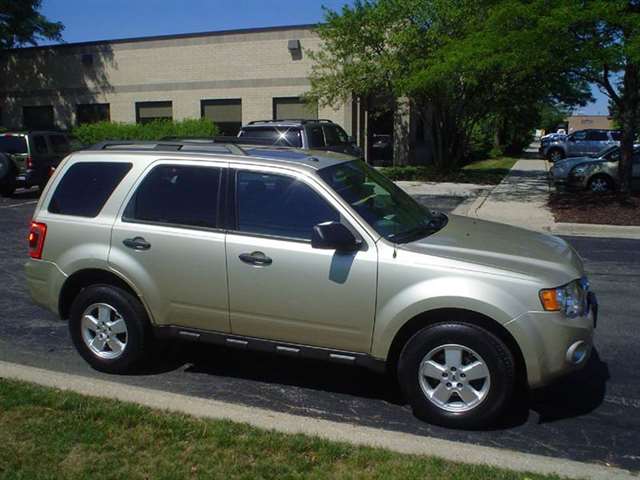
(136, 243)
(255, 258)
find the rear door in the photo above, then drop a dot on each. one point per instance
(42, 157)
(577, 144)
(597, 140)
(168, 242)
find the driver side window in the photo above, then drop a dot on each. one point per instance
(279, 206)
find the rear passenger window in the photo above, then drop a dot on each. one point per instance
(39, 144)
(86, 187)
(280, 206)
(315, 136)
(59, 144)
(178, 195)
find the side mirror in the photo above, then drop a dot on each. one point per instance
(334, 236)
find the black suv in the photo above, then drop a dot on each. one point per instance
(306, 134)
(27, 158)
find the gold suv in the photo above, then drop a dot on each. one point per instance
(305, 254)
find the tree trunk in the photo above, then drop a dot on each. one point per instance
(629, 117)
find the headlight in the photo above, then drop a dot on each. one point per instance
(571, 299)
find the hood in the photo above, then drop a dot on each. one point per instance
(548, 258)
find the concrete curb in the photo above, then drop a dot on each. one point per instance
(591, 230)
(329, 430)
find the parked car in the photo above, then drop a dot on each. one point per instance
(579, 144)
(305, 134)
(26, 158)
(600, 175)
(559, 171)
(309, 256)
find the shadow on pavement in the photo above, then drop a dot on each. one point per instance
(573, 396)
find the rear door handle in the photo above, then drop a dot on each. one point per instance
(255, 258)
(136, 243)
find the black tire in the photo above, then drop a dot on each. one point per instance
(139, 338)
(600, 184)
(496, 356)
(555, 154)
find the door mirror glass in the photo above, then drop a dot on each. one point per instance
(334, 236)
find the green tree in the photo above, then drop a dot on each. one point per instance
(574, 42)
(21, 23)
(443, 57)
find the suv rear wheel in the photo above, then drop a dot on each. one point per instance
(457, 375)
(109, 328)
(555, 155)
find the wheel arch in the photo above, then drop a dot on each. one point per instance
(432, 317)
(82, 279)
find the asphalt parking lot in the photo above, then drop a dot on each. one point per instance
(591, 416)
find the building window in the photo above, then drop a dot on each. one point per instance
(290, 108)
(226, 114)
(38, 118)
(92, 113)
(149, 111)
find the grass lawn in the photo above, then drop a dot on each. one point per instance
(47, 433)
(587, 207)
(485, 172)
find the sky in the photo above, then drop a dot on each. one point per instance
(87, 20)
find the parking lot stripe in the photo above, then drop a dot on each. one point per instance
(33, 202)
(329, 430)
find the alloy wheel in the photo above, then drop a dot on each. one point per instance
(454, 378)
(104, 331)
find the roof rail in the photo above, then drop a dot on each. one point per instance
(291, 120)
(201, 145)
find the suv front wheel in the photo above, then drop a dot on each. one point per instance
(456, 375)
(109, 328)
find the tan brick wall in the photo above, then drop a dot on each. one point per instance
(253, 66)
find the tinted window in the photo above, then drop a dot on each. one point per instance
(280, 206)
(40, 144)
(86, 187)
(617, 136)
(315, 137)
(334, 135)
(13, 144)
(179, 195)
(597, 136)
(39, 117)
(284, 136)
(59, 143)
(579, 136)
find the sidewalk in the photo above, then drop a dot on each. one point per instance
(520, 199)
(445, 196)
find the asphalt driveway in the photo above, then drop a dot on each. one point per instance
(592, 416)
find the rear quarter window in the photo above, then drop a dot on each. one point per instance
(13, 144)
(86, 187)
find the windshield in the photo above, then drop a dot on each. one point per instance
(13, 144)
(607, 151)
(388, 209)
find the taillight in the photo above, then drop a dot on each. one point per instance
(29, 162)
(36, 239)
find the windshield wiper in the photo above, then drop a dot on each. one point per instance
(434, 225)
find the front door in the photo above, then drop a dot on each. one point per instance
(167, 243)
(281, 288)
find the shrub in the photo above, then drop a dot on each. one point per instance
(91, 133)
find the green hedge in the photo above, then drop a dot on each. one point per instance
(91, 133)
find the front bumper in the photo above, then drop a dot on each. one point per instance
(552, 344)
